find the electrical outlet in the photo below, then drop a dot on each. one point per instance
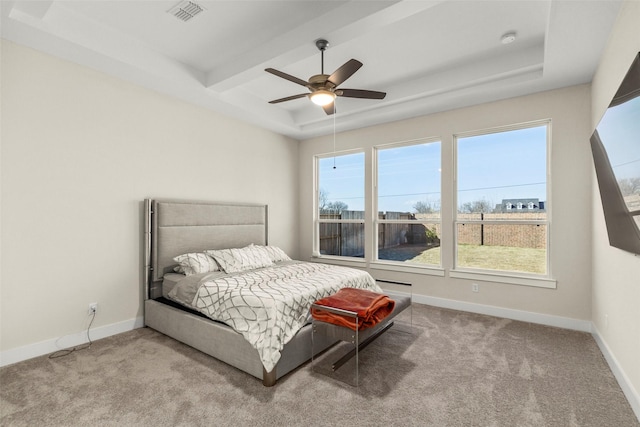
(474, 287)
(93, 308)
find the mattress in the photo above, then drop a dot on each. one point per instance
(169, 281)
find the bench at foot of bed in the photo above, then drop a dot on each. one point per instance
(356, 339)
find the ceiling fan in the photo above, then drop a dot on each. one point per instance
(324, 87)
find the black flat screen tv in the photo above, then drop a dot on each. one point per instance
(615, 146)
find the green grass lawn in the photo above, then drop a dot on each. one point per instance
(507, 258)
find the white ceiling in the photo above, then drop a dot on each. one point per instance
(428, 56)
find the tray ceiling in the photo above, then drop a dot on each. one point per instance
(428, 56)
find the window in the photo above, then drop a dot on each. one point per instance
(340, 205)
(408, 203)
(490, 233)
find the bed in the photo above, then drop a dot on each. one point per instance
(177, 227)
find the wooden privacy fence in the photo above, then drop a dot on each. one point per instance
(344, 239)
(347, 239)
(390, 235)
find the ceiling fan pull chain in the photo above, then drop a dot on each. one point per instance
(335, 113)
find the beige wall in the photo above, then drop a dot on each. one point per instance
(570, 197)
(80, 151)
(616, 273)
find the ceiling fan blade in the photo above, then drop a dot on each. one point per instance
(359, 93)
(344, 72)
(288, 98)
(329, 108)
(287, 77)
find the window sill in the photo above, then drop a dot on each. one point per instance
(404, 268)
(344, 261)
(379, 265)
(538, 282)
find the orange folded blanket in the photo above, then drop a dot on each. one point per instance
(371, 307)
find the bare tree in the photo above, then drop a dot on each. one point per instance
(323, 199)
(424, 207)
(325, 206)
(336, 207)
(477, 206)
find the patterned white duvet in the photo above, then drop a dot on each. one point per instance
(268, 306)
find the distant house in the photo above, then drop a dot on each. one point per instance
(520, 205)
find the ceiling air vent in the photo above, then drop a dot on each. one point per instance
(185, 10)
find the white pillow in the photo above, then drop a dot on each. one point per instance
(275, 253)
(195, 263)
(240, 259)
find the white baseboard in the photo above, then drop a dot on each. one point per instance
(632, 395)
(30, 351)
(507, 313)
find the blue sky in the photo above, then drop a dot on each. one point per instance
(490, 167)
(345, 183)
(505, 165)
(407, 175)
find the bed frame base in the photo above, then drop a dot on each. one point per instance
(269, 378)
(228, 346)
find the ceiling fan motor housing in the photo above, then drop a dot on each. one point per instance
(321, 81)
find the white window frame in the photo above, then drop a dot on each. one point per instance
(398, 265)
(518, 278)
(340, 259)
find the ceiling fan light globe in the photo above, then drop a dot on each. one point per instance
(322, 97)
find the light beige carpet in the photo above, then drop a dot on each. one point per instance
(458, 369)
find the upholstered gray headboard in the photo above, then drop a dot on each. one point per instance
(175, 227)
